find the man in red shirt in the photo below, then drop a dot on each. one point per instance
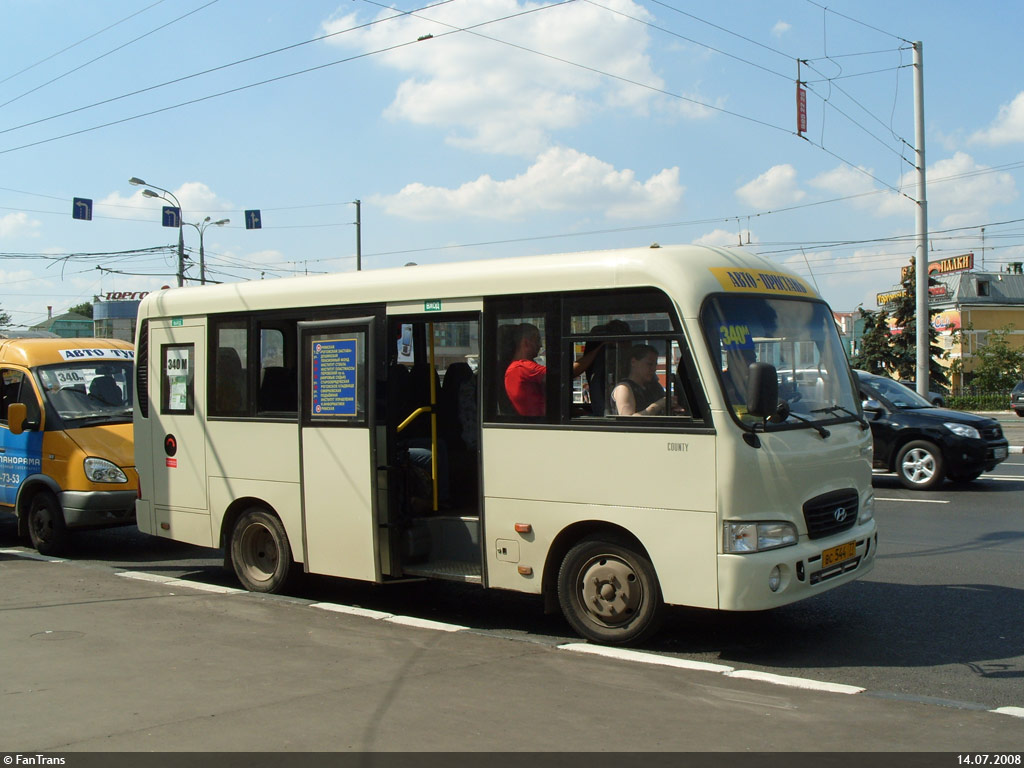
(524, 379)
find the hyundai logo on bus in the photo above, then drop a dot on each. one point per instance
(839, 514)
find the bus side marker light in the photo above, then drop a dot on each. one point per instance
(525, 570)
(523, 527)
(165, 526)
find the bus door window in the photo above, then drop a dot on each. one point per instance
(17, 388)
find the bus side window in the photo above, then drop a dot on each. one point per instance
(229, 389)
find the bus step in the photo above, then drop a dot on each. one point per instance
(449, 570)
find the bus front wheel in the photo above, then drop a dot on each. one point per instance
(46, 526)
(260, 552)
(609, 592)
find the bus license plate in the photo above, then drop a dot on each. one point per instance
(839, 554)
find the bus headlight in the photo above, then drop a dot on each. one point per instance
(757, 537)
(867, 510)
(103, 471)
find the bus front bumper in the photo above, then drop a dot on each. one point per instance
(745, 580)
(96, 509)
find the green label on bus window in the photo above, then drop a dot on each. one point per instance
(176, 321)
(432, 306)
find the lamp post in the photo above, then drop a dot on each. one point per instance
(201, 228)
(134, 180)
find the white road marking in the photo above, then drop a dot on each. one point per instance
(916, 501)
(646, 658)
(795, 682)
(32, 555)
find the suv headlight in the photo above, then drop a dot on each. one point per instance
(103, 471)
(757, 537)
(962, 429)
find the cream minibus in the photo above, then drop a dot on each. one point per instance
(66, 457)
(615, 431)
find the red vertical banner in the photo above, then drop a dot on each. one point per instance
(801, 110)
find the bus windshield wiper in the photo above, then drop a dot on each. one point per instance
(833, 408)
(785, 413)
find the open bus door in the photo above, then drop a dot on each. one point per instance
(336, 448)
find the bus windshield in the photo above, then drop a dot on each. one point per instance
(799, 338)
(89, 392)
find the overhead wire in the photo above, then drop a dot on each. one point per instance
(108, 53)
(279, 78)
(74, 45)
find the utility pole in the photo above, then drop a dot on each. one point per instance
(921, 283)
(359, 240)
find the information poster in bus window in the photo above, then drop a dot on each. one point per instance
(177, 374)
(334, 377)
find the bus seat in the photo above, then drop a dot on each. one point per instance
(278, 390)
(449, 420)
(105, 389)
(229, 380)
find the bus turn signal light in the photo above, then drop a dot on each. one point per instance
(523, 528)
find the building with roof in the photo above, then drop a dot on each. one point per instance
(69, 325)
(969, 305)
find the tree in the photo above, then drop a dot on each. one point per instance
(5, 319)
(999, 366)
(875, 354)
(904, 344)
(84, 309)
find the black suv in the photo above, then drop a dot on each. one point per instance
(922, 444)
(1017, 398)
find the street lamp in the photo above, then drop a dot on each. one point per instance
(201, 228)
(136, 181)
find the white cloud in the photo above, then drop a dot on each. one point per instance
(560, 180)
(967, 196)
(725, 238)
(775, 187)
(781, 28)
(18, 225)
(1007, 128)
(197, 200)
(498, 97)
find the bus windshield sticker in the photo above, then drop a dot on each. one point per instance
(760, 281)
(334, 377)
(736, 337)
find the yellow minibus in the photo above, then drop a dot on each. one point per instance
(66, 458)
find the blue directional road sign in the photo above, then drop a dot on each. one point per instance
(252, 220)
(172, 216)
(81, 208)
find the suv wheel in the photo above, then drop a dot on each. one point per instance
(920, 466)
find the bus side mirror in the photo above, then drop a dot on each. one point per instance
(762, 390)
(16, 415)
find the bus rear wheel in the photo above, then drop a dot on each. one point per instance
(609, 592)
(46, 527)
(260, 552)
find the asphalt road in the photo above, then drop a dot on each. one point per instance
(939, 620)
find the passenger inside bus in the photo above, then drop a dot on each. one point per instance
(105, 389)
(525, 379)
(640, 393)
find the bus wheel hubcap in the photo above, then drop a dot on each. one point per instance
(260, 552)
(611, 589)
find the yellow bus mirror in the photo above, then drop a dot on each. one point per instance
(16, 414)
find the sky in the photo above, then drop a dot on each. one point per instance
(471, 129)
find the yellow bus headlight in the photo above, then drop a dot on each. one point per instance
(103, 471)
